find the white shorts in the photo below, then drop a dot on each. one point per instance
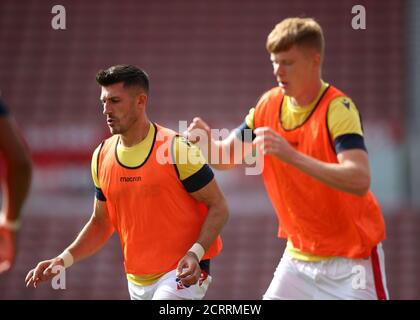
(337, 278)
(168, 287)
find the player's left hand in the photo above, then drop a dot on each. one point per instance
(188, 269)
(7, 248)
(270, 142)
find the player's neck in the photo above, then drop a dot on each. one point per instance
(308, 96)
(136, 134)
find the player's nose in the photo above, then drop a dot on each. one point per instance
(106, 108)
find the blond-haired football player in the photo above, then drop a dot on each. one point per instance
(316, 173)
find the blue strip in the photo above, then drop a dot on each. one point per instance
(349, 141)
(99, 194)
(245, 133)
(199, 179)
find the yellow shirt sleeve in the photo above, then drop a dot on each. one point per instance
(188, 158)
(94, 166)
(343, 118)
(249, 119)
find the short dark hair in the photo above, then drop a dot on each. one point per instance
(128, 74)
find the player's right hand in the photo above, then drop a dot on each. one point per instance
(197, 130)
(43, 271)
(188, 270)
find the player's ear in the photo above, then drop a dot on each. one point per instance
(317, 59)
(142, 99)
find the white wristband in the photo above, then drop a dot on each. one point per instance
(198, 250)
(10, 225)
(67, 258)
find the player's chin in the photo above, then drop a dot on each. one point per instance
(114, 130)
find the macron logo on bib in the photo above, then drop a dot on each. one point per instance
(130, 179)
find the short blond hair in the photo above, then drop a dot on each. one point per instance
(304, 32)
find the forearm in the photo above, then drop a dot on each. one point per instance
(345, 176)
(220, 156)
(18, 180)
(215, 220)
(91, 239)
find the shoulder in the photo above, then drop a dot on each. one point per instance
(163, 131)
(186, 152)
(267, 105)
(339, 101)
(97, 150)
(344, 118)
(95, 163)
(95, 157)
(273, 93)
(193, 170)
(103, 146)
(343, 106)
(107, 143)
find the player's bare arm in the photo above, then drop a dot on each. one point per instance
(188, 268)
(351, 174)
(199, 132)
(91, 239)
(95, 233)
(16, 187)
(19, 167)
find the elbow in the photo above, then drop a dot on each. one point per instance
(360, 191)
(363, 185)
